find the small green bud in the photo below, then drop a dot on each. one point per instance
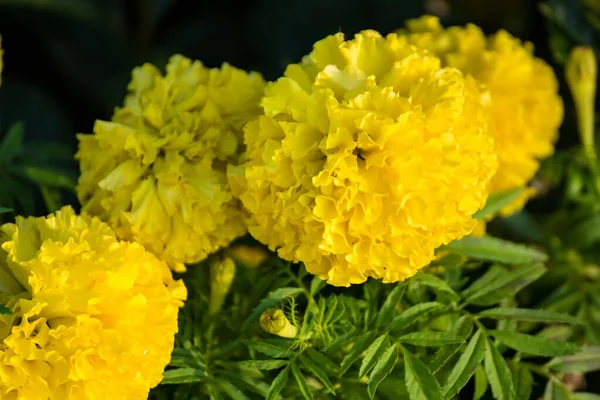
(275, 322)
(581, 72)
(222, 272)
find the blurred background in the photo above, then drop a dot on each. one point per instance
(67, 62)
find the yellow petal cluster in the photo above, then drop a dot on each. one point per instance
(157, 172)
(526, 110)
(94, 318)
(368, 157)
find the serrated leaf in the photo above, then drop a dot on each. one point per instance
(585, 396)
(463, 328)
(372, 354)
(522, 380)
(317, 372)
(250, 384)
(264, 365)
(491, 275)
(436, 284)
(278, 384)
(420, 382)
(432, 339)
(555, 390)
(481, 383)
(498, 201)
(586, 361)
(385, 313)
(183, 375)
(356, 350)
(4, 210)
(322, 361)
(466, 365)
(534, 344)
(278, 348)
(498, 373)
(506, 285)
(272, 299)
(382, 369)
(488, 248)
(412, 315)
(525, 314)
(12, 143)
(302, 385)
(231, 391)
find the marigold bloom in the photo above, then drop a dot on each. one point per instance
(526, 110)
(157, 172)
(368, 158)
(94, 318)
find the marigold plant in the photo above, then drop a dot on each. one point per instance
(156, 173)
(525, 108)
(369, 157)
(90, 317)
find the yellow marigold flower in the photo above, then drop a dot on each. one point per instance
(525, 108)
(94, 318)
(157, 172)
(368, 158)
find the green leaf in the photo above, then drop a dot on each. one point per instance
(264, 365)
(436, 284)
(50, 177)
(278, 384)
(526, 314)
(278, 348)
(522, 379)
(585, 396)
(322, 361)
(481, 383)
(354, 353)
(183, 375)
(463, 328)
(534, 344)
(491, 275)
(498, 373)
(498, 201)
(302, 385)
(52, 198)
(231, 390)
(488, 248)
(372, 354)
(273, 298)
(247, 383)
(317, 372)
(506, 285)
(316, 285)
(586, 361)
(466, 365)
(412, 315)
(382, 369)
(12, 143)
(5, 310)
(4, 210)
(432, 339)
(181, 357)
(584, 234)
(555, 390)
(420, 382)
(385, 313)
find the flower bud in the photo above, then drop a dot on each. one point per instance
(581, 72)
(249, 256)
(222, 272)
(275, 322)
